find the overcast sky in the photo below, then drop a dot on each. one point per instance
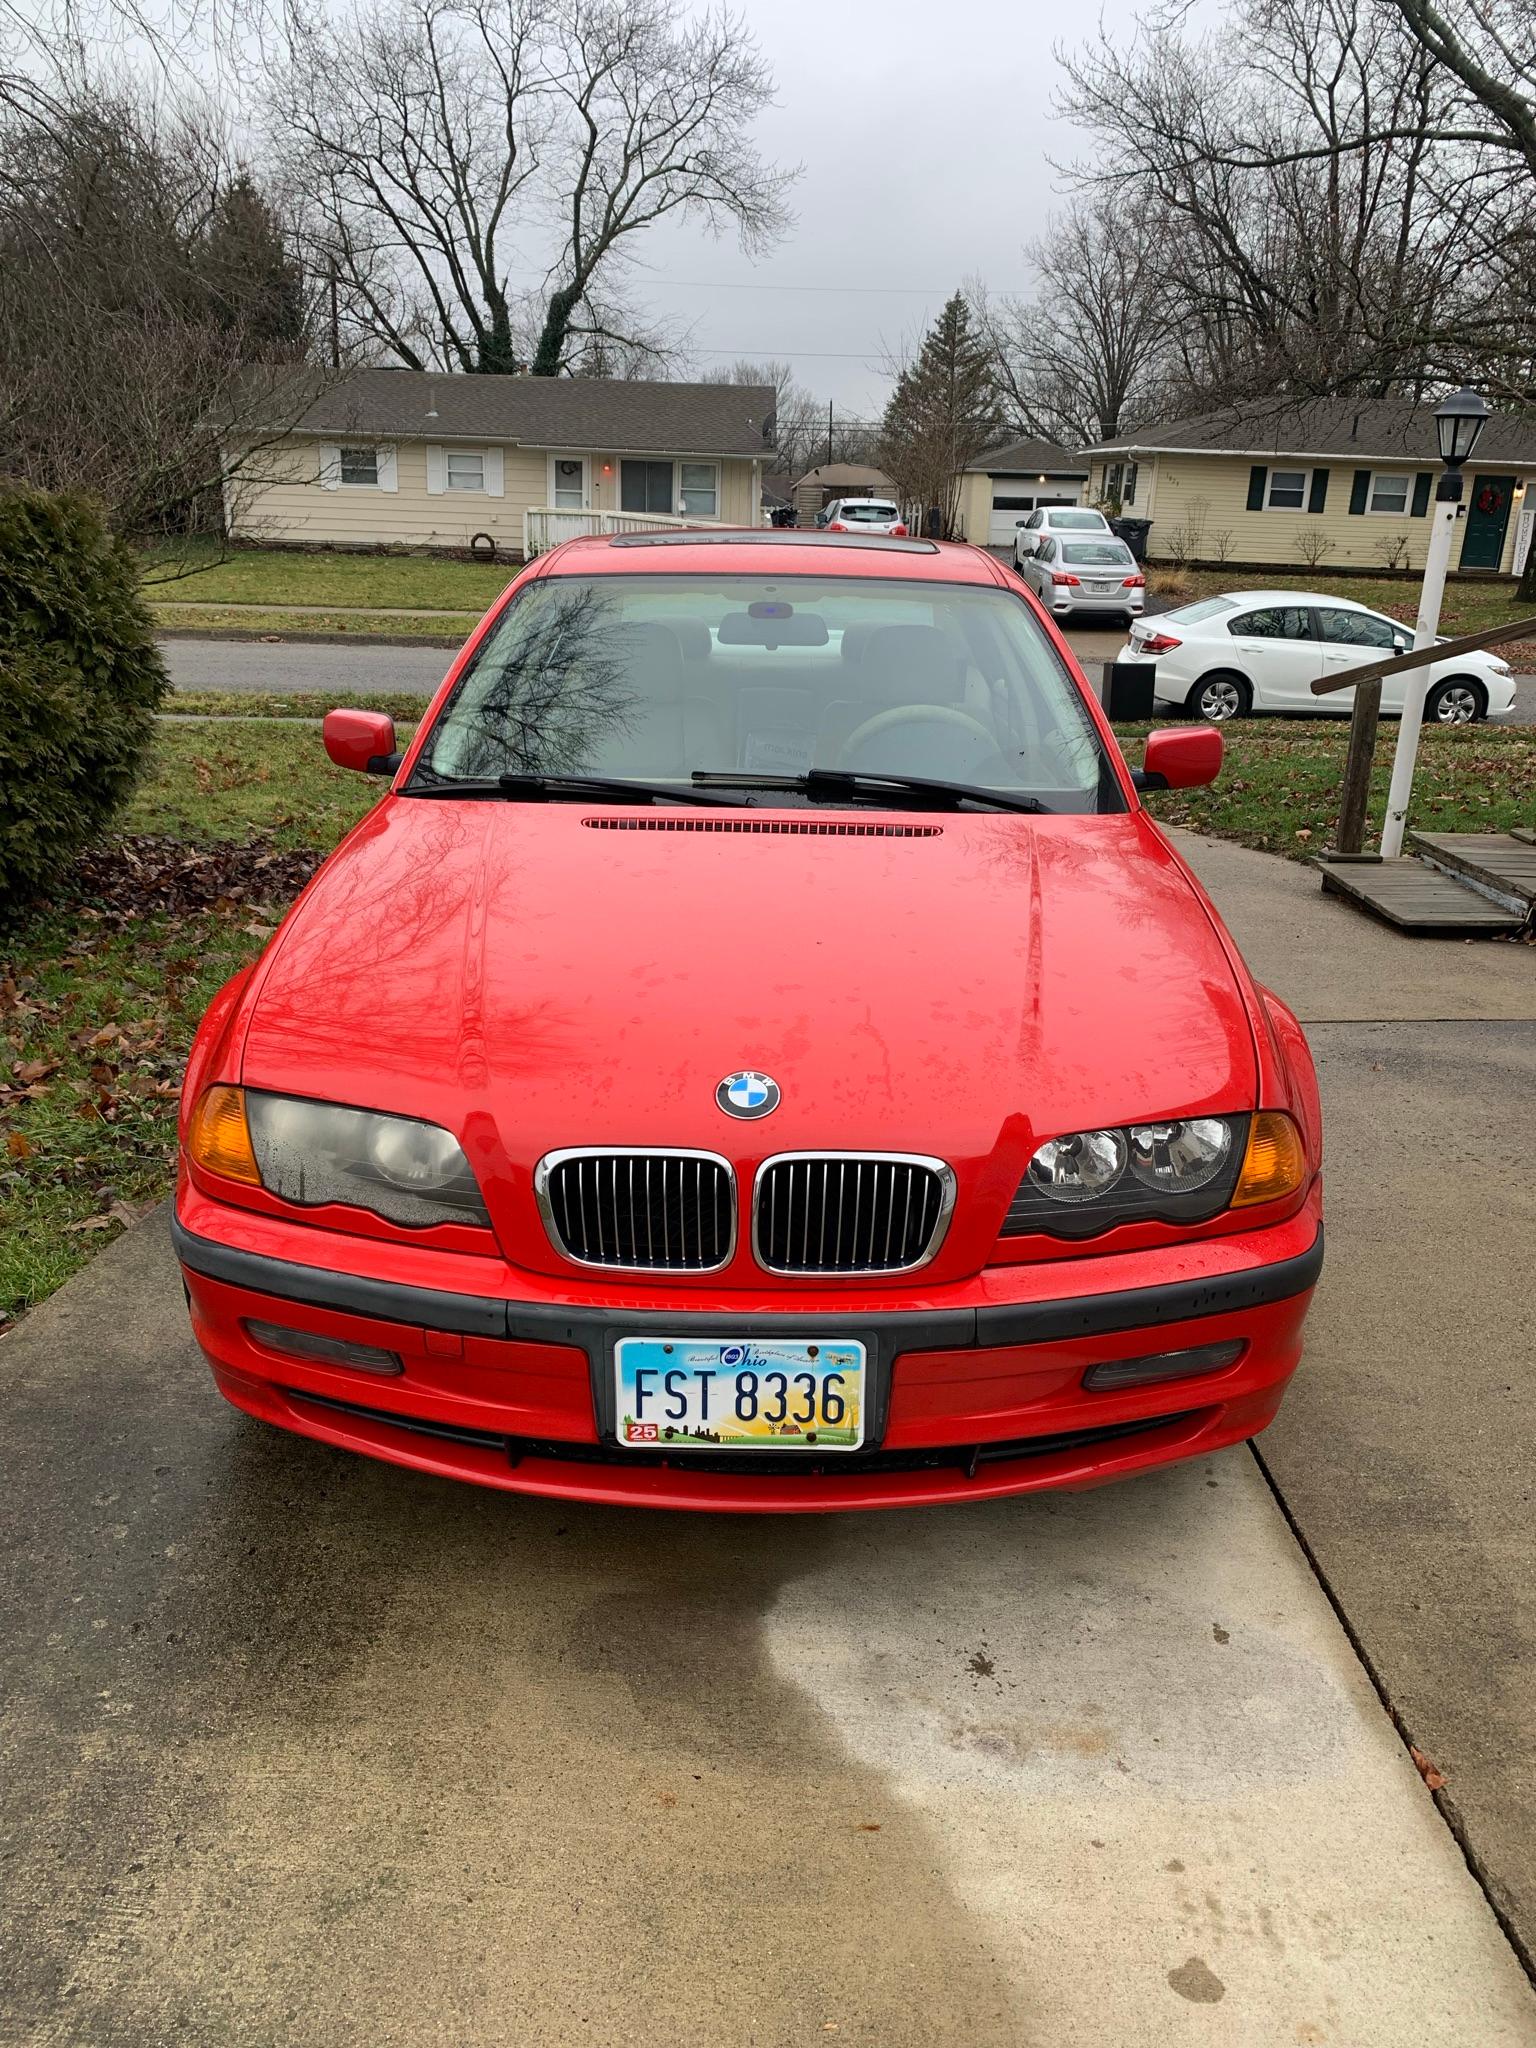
(924, 127)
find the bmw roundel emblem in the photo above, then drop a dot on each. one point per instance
(747, 1094)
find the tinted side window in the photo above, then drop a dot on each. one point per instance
(1354, 629)
(1275, 622)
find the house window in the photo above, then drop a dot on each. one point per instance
(646, 487)
(464, 469)
(360, 466)
(1129, 497)
(1286, 491)
(701, 490)
(570, 484)
(1389, 492)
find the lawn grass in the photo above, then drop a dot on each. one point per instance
(1279, 785)
(227, 780)
(266, 576)
(1467, 607)
(439, 629)
(102, 989)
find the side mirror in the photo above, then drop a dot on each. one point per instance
(362, 740)
(1180, 759)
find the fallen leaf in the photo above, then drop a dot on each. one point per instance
(28, 1071)
(18, 1145)
(1432, 1777)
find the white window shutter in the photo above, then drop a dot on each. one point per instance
(387, 477)
(495, 486)
(437, 482)
(330, 465)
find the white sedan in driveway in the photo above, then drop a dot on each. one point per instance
(1261, 651)
(1059, 522)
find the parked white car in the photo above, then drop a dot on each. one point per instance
(865, 515)
(1261, 650)
(1089, 574)
(1059, 521)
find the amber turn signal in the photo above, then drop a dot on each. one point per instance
(219, 1138)
(1275, 1163)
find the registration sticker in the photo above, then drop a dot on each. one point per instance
(746, 1394)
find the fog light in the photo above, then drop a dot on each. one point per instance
(325, 1350)
(1117, 1373)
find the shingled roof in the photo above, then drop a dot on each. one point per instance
(615, 416)
(1029, 458)
(1381, 429)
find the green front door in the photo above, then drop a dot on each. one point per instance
(1482, 545)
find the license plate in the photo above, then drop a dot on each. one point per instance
(1100, 589)
(684, 1394)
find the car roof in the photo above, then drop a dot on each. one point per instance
(771, 551)
(1329, 597)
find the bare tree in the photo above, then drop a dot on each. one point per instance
(438, 140)
(143, 280)
(1329, 213)
(1086, 355)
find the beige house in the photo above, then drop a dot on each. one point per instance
(408, 458)
(1323, 484)
(1001, 488)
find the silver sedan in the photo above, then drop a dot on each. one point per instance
(1093, 575)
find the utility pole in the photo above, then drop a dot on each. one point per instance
(335, 319)
(829, 430)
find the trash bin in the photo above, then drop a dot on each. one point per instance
(1134, 533)
(1126, 691)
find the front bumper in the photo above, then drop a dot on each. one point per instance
(975, 1390)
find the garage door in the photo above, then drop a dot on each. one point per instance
(1007, 510)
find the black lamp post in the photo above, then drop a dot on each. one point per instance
(1459, 420)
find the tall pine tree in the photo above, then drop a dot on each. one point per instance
(944, 411)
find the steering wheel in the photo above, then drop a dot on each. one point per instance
(911, 714)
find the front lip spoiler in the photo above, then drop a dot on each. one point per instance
(957, 1329)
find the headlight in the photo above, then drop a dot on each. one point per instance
(1177, 1158)
(1079, 1168)
(1178, 1170)
(402, 1169)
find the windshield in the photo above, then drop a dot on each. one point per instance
(1079, 522)
(868, 509)
(1203, 608)
(1097, 554)
(658, 677)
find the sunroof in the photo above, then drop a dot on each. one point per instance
(776, 536)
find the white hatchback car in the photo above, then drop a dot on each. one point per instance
(865, 515)
(1261, 651)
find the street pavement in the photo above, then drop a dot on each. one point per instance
(298, 1748)
(288, 667)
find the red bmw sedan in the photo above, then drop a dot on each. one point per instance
(759, 1054)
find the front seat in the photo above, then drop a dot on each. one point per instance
(895, 665)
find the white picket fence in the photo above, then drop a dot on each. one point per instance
(545, 526)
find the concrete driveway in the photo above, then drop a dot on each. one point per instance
(300, 1749)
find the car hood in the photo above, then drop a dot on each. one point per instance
(952, 984)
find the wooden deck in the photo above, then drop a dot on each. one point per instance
(1419, 898)
(1500, 864)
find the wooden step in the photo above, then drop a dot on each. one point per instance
(1498, 863)
(1418, 898)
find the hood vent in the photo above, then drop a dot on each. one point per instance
(810, 828)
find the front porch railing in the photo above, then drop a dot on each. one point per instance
(545, 526)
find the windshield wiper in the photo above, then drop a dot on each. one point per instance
(838, 785)
(554, 788)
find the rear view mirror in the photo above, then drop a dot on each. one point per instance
(361, 740)
(1180, 759)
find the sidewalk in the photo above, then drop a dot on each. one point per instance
(1404, 1447)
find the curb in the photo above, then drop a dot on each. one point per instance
(310, 639)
